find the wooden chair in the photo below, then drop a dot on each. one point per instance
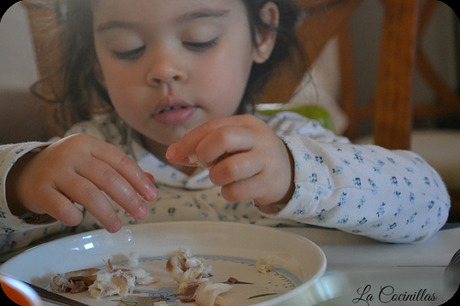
(405, 24)
(392, 110)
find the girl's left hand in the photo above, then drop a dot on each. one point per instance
(243, 155)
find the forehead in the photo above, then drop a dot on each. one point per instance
(164, 10)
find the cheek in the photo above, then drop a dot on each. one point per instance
(227, 77)
(123, 98)
(117, 94)
(118, 78)
(120, 84)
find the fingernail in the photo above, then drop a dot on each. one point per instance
(116, 227)
(170, 153)
(152, 191)
(151, 195)
(141, 213)
(151, 178)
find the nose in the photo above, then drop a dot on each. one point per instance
(165, 70)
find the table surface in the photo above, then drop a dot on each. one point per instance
(361, 271)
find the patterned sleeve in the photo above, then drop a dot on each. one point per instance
(391, 196)
(18, 232)
(15, 232)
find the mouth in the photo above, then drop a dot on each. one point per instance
(172, 108)
(170, 103)
(172, 111)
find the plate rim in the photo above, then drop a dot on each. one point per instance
(277, 300)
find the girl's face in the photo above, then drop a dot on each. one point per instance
(171, 65)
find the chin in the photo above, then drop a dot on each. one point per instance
(164, 141)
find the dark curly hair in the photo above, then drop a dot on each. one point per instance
(79, 94)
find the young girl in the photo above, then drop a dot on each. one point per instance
(180, 77)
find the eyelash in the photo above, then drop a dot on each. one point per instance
(201, 46)
(129, 55)
(196, 46)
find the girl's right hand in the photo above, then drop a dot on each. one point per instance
(79, 169)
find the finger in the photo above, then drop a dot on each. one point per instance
(60, 208)
(259, 189)
(179, 152)
(115, 186)
(244, 190)
(127, 168)
(85, 193)
(223, 142)
(234, 168)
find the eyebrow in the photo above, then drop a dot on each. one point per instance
(115, 25)
(204, 13)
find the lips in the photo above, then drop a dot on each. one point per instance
(172, 111)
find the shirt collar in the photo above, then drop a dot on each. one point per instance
(166, 174)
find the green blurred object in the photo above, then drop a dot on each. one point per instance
(309, 111)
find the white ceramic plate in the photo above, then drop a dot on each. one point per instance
(230, 248)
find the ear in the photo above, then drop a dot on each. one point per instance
(266, 37)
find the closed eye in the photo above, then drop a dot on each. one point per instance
(129, 55)
(200, 46)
